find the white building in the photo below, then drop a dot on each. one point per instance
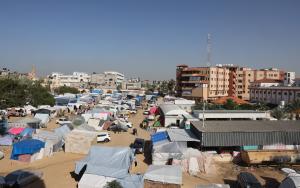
(289, 78)
(77, 79)
(119, 77)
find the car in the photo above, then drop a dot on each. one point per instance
(63, 121)
(103, 137)
(138, 145)
(146, 112)
(118, 128)
(248, 180)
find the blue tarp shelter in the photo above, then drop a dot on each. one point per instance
(29, 146)
(159, 136)
(107, 161)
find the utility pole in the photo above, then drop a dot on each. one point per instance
(203, 109)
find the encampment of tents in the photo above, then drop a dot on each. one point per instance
(28, 146)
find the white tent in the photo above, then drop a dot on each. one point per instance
(79, 141)
(167, 174)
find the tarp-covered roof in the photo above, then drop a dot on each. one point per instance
(213, 186)
(164, 173)
(181, 135)
(107, 161)
(172, 109)
(29, 146)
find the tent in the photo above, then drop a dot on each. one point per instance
(62, 131)
(31, 122)
(79, 141)
(159, 136)
(53, 142)
(213, 186)
(107, 161)
(93, 181)
(45, 118)
(6, 140)
(163, 174)
(29, 146)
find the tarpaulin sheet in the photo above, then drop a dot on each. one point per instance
(29, 146)
(164, 173)
(16, 130)
(27, 132)
(6, 140)
(107, 161)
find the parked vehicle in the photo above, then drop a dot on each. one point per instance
(63, 121)
(103, 137)
(118, 128)
(138, 145)
(248, 180)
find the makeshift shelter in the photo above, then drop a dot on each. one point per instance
(159, 136)
(6, 140)
(62, 131)
(170, 114)
(79, 141)
(29, 146)
(93, 181)
(45, 118)
(107, 161)
(53, 142)
(213, 186)
(106, 125)
(27, 132)
(160, 176)
(97, 124)
(30, 122)
(165, 150)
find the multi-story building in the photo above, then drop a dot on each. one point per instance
(107, 80)
(132, 84)
(289, 78)
(221, 80)
(77, 80)
(118, 77)
(202, 83)
(274, 94)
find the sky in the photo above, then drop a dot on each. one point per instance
(147, 38)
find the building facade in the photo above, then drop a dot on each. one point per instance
(208, 83)
(289, 78)
(77, 80)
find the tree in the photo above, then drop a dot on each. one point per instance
(230, 105)
(279, 113)
(294, 108)
(66, 89)
(113, 184)
(19, 92)
(171, 86)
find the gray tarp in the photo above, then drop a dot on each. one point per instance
(164, 173)
(50, 138)
(213, 186)
(107, 161)
(62, 131)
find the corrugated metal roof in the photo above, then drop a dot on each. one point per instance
(181, 135)
(243, 133)
(228, 111)
(247, 126)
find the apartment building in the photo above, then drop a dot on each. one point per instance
(107, 80)
(289, 78)
(119, 77)
(77, 79)
(202, 83)
(221, 80)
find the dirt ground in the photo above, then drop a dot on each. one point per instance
(58, 169)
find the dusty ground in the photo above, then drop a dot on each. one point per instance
(57, 170)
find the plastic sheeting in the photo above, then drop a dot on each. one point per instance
(164, 173)
(93, 181)
(213, 186)
(16, 130)
(5, 140)
(107, 161)
(44, 118)
(53, 142)
(79, 141)
(62, 131)
(27, 132)
(159, 136)
(29, 146)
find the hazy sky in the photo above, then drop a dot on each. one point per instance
(147, 38)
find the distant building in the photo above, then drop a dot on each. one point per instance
(274, 94)
(132, 84)
(107, 80)
(297, 82)
(77, 80)
(208, 83)
(289, 78)
(118, 77)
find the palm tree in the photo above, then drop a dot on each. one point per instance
(294, 108)
(279, 113)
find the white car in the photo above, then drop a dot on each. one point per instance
(63, 120)
(103, 137)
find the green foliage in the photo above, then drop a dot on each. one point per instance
(113, 184)
(18, 92)
(230, 105)
(66, 89)
(279, 113)
(171, 86)
(294, 108)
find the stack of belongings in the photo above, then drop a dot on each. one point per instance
(25, 149)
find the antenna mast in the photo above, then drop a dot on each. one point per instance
(208, 50)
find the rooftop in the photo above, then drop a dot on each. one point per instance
(247, 126)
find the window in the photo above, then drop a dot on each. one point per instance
(285, 93)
